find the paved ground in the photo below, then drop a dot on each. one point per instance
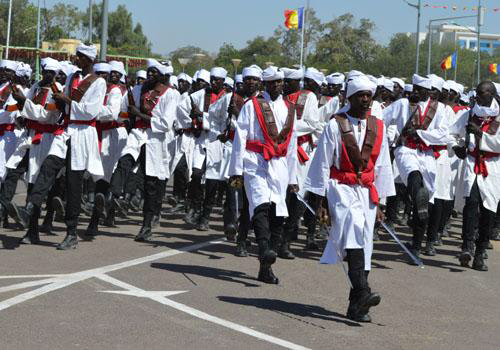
(188, 291)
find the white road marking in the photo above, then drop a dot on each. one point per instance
(27, 276)
(161, 297)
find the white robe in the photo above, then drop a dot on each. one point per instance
(37, 152)
(409, 160)
(489, 187)
(352, 213)
(327, 110)
(183, 144)
(155, 138)
(265, 181)
(444, 177)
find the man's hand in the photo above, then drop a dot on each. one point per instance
(222, 138)
(323, 217)
(133, 110)
(60, 97)
(293, 188)
(18, 95)
(411, 132)
(195, 112)
(473, 128)
(461, 152)
(236, 181)
(380, 215)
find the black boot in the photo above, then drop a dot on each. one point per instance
(203, 224)
(193, 215)
(358, 309)
(267, 257)
(33, 234)
(145, 233)
(88, 206)
(70, 241)
(439, 240)
(284, 250)
(93, 228)
(429, 249)
(230, 232)
(478, 263)
(156, 221)
(101, 205)
(310, 242)
(178, 207)
(109, 221)
(59, 209)
(47, 226)
(422, 201)
(136, 201)
(466, 255)
(241, 249)
(22, 215)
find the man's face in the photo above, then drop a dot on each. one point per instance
(274, 87)
(444, 96)
(104, 75)
(385, 93)
(423, 93)
(397, 91)
(140, 81)
(201, 84)
(47, 77)
(334, 89)
(153, 74)
(452, 96)
(82, 61)
(9, 74)
(250, 85)
(434, 94)
(484, 95)
(291, 85)
(114, 77)
(183, 86)
(310, 84)
(239, 88)
(216, 84)
(61, 78)
(361, 101)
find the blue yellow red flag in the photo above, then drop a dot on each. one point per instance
(294, 18)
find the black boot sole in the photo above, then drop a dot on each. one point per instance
(100, 205)
(465, 259)
(59, 209)
(15, 214)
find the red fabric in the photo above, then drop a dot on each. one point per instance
(215, 97)
(104, 126)
(231, 135)
(74, 84)
(108, 90)
(346, 174)
(303, 157)
(6, 127)
(142, 124)
(458, 108)
(416, 142)
(269, 149)
(481, 156)
(40, 129)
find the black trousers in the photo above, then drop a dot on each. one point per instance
(9, 185)
(181, 179)
(135, 181)
(268, 227)
(195, 190)
(476, 215)
(295, 211)
(245, 223)
(357, 274)
(436, 212)
(415, 183)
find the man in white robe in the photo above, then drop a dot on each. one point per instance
(477, 141)
(353, 177)
(265, 156)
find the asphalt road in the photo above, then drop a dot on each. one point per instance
(187, 290)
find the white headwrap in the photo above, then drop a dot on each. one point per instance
(23, 70)
(497, 87)
(272, 73)
(436, 82)
(446, 86)
(48, 63)
(485, 111)
(141, 74)
(204, 75)
(252, 71)
(9, 64)
(67, 68)
(118, 66)
(335, 78)
(173, 81)
(354, 73)
(88, 50)
(166, 69)
(360, 83)
(295, 74)
(314, 74)
(464, 98)
(408, 87)
(398, 81)
(388, 84)
(102, 67)
(239, 78)
(460, 88)
(185, 77)
(229, 81)
(421, 81)
(452, 85)
(218, 72)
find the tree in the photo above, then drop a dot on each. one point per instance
(196, 62)
(23, 25)
(226, 53)
(61, 21)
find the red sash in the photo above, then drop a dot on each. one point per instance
(417, 143)
(299, 100)
(481, 156)
(6, 127)
(348, 176)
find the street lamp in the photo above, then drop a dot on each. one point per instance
(236, 62)
(269, 64)
(418, 7)
(184, 62)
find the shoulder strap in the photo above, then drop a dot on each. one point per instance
(349, 141)
(301, 102)
(41, 96)
(150, 99)
(370, 139)
(81, 89)
(431, 112)
(267, 113)
(495, 124)
(4, 94)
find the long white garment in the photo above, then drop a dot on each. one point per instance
(113, 140)
(489, 186)
(327, 110)
(444, 177)
(155, 138)
(46, 114)
(183, 144)
(409, 160)
(265, 181)
(352, 213)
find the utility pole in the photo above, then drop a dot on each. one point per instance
(480, 19)
(418, 35)
(104, 32)
(90, 21)
(37, 67)
(8, 30)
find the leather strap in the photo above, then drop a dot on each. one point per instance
(77, 93)
(150, 98)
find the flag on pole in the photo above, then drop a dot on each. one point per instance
(449, 62)
(493, 68)
(294, 18)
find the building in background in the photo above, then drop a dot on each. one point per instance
(65, 45)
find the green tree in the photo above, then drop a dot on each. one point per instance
(195, 63)
(23, 24)
(226, 53)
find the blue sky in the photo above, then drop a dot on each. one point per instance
(171, 24)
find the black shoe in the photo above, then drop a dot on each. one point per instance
(21, 215)
(438, 242)
(429, 249)
(100, 205)
(69, 242)
(230, 232)
(322, 233)
(266, 275)
(31, 237)
(489, 246)
(177, 209)
(358, 310)
(465, 257)
(478, 263)
(136, 203)
(192, 217)
(203, 225)
(284, 251)
(241, 249)
(88, 208)
(422, 201)
(156, 221)
(144, 234)
(376, 236)
(311, 244)
(121, 207)
(92, 230)
(59, 209)
(109, 221)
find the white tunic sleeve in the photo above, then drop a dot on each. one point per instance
(437, 132)
(110, 111)
(164, 113)
(91, 102)
(384, 179)
(490, 143)
(310, 117)
(240, 140)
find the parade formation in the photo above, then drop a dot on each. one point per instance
(287, 147)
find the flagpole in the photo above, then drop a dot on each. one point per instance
(456, 65)
(302, 38)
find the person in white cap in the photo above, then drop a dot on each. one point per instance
(420, 127)
(399, 86)
(352, 169)
(238, 84)
(264, 158)
(112, 133)
(140, 77)
(477, 140)
(331, 107)
(193, 116)
(154, 110)
(229, 84)
(77, 148)
(41, 116)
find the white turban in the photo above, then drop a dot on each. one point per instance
(185, 77)
(102, 67)
(436, 82)
(421, 81)
(88, 50)
(465, 98)
(229, 81)
(398, 81)
(295, 74)
(204, 75)
(497, 87)
(9, 64)
(118, 66)
(173, 81)
(314, 74)
(218, 72)
(164, 70)
(252, 71)
(335, 78)
(67, 68)
(272, 73)
(446, 86)
(48, 63)
(460, 88)
(23, 70)
(408, 87)
(239, 78)
(141, 74)
(388, 84)
(360, 83)
(354, 73)
(452, 85)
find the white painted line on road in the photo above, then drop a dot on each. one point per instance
(161, 297)
(28, 276)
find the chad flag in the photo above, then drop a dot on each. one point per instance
(494, 68)
(449, 62)
(294, 18)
